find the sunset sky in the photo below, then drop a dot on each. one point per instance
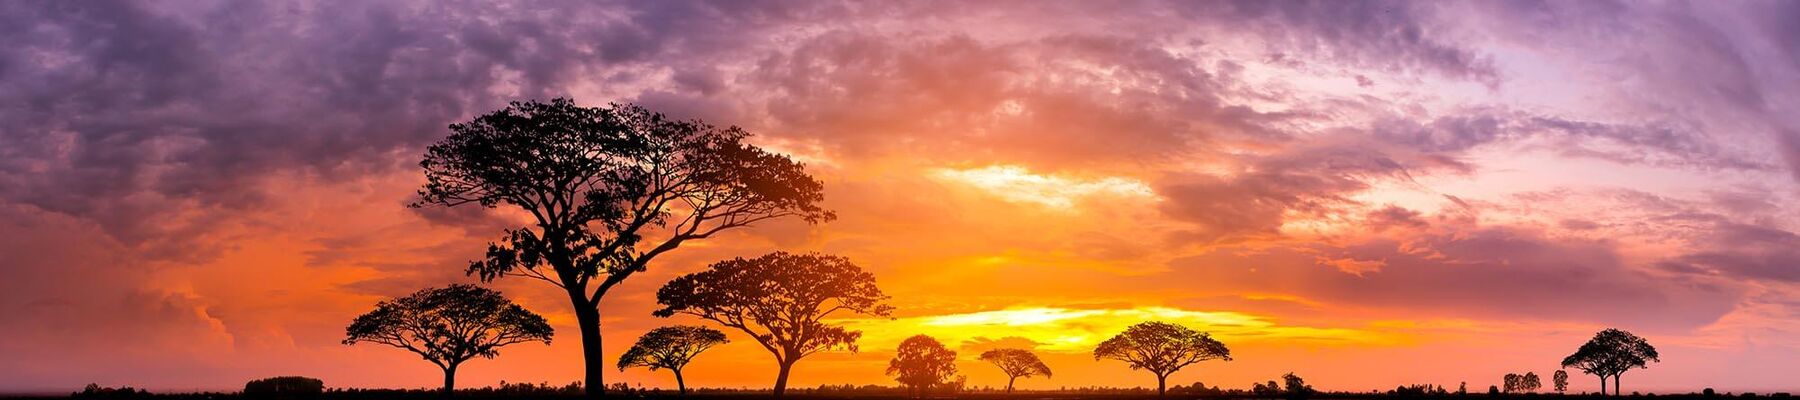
(1369, 194)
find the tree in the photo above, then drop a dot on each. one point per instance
(1611, 353)
(1016, 363)
(1561, 380)
(671, 347)
(921, 363)
(1529, 382)
(449, 325)
(1270, 389)
(1296, 388)
(599, 183)
(779, 299)
(1161, 348)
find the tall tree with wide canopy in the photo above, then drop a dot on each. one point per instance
(1161, 348)
(1016, 363)
(450, 325)
(1611, 353)
(671, 347)
(780, 300)
(922, 362)
(607, 191)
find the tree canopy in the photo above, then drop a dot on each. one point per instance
(1016, 363)
(1161, 348)
(599, 183)
(1611, 353)
(921, 363)
(450, 325)
(779, 299)
(671, 347)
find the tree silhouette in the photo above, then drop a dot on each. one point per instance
(1611, 353)
(598, 183)
(1016, 363)
(449, 325)
(779, 299)
(1161, 348)
(671, 347)
(1296, 386)
(1511, 383)
(1561, 380)
(1529, 382)
(921, 363)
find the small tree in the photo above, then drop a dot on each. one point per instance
(450, 325)
(671, 347)
(1510, 383)
(1561, 380)
(1296, 388)
(1270, 389)
(1016, 363)
(922, 363)
(1611, 353)
(1161, 348)
(779, 299)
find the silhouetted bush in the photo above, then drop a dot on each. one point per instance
(95, 391)
(284, 386)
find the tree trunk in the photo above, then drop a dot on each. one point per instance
(1602, 385)
(1009, 383)
(781, 379)
(680, 384)
(450, 381)
(592, 358)
(1162, 384)
(1616, 378)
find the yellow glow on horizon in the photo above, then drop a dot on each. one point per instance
(1069, 330)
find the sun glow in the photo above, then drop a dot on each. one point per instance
(1020, 185)
(1069, 330)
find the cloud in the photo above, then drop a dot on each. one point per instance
(1020, 185)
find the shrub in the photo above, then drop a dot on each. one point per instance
(95, 391)
(284, 386)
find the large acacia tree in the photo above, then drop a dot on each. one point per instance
(671, 347)
(921, 362)
(1611, 353)
(1016, 363)
(1161, 348)
(779, 299)
(448, 326)
(607, 190)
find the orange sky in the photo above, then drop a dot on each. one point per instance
(1365, 194)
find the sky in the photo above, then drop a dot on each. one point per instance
(1369, 194)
